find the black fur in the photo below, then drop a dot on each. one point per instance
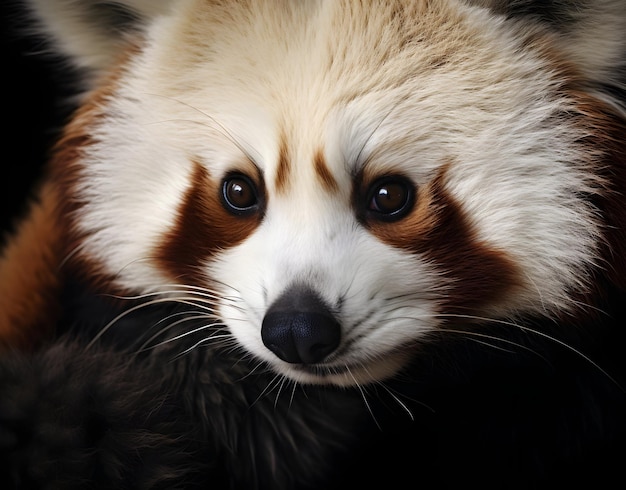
(520, 412)
(73, 418)
(559, 14)
(108, 415)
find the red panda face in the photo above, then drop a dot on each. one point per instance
(338, 187)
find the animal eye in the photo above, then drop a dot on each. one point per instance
(239, 194)
(391, 198)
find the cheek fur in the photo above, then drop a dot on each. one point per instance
(202, 228)
(438, 230)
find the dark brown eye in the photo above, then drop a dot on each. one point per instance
(391, 198)
(239, 194)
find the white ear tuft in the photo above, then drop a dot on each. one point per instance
(90, 32)
(591, 32)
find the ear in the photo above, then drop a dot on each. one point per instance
(591, 33)
(90, 32)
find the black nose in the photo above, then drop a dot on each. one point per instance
(299, 328)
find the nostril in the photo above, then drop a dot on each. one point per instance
(276, 333)
(299, 328)
(319, 337)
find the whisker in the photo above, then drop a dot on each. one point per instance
(218, 125)
(590, 307)
(199, 343)
(198, 297)
(268, 388)
(190, 301)
(71, 254)
(469, 335)
(280, 387)
(252, 371)
(203, 291)
(362, 389)
(144, 348)
(186, 317)
(378, 126)
(539, 333)
(477, 336)
(396, 397)
(398, 401)
(194, 294)
(184, 300)
(293, 394)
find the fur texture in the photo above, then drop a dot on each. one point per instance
(110, 417)
(299, 244)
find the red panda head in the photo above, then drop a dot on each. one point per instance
(337, 182)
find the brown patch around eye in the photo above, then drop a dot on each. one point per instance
(438, 229)
(202, 228)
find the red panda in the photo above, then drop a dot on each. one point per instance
(416, 203)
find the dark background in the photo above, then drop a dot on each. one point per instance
(35, 90)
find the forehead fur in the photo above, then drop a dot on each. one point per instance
(285, 81)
